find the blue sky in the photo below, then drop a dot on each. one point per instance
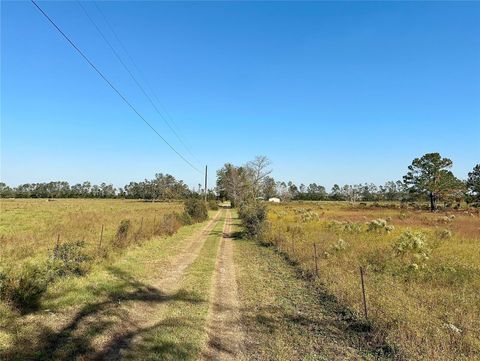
(331, 92)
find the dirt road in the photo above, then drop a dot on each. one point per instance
(225, 335)
(137, 314)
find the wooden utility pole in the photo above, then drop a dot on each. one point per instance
(205, 190)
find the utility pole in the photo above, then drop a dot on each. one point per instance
(206, 172)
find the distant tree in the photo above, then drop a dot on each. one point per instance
(429, 175)
(256, 171)
(292, 190)
(316, 192)
(451, 190)
(302, 188)
(269, 187)
(336, 193)
(282, 191)
(5, 191)
(473, 186)
(351, 192)
(231, 183)
(368, 192)
(392, 191)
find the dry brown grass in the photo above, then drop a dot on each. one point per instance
(30, 227)
(426, 309)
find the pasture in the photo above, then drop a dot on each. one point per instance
(421, 271)
(29, 228)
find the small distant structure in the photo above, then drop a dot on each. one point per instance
(274, 200)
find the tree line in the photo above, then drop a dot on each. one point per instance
(427, 178)
(162, 187)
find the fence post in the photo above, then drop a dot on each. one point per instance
(154, 218)
(55, 249)
(315, 255)
(363, 293)
(141, 224)
(101, 238)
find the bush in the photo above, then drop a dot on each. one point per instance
(68, 259)
(444, 234)
(379, 225)
(196, 209)
(121, 236)
(213, 205)
(169, 226)
(253, 217)
(3, 283)
(340, 245)
(346, 227)
(184, 218)
(412, 248)
(25, 289)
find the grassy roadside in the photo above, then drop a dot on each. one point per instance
(284, 316)
(56, 326)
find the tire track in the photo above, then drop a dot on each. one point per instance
(137, 315)
(225, 335)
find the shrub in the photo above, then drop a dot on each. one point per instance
(253, 216)
(444, 234)
(340, 245)
(3, 283)
(412, 248)
(213, 205)
(169, 226)
(379, 225)
(351, 227)
(309, 216)
(68, 259)
(121, 236)
(347, 227)
(25, 289)
(196, 209)
(184, 218)
(446, 219)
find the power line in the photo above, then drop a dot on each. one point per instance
(131, 74)
(146, 82)
(111, 85)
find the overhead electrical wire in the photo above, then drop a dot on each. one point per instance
(112, 86)
(150, 88)
(119, 58)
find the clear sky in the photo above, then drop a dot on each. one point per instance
(331, 92)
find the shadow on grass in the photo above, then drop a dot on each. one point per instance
(77, 338)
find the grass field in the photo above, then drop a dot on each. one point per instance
(30, 227)
(422, 271)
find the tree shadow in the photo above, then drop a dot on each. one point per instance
(76, 339)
